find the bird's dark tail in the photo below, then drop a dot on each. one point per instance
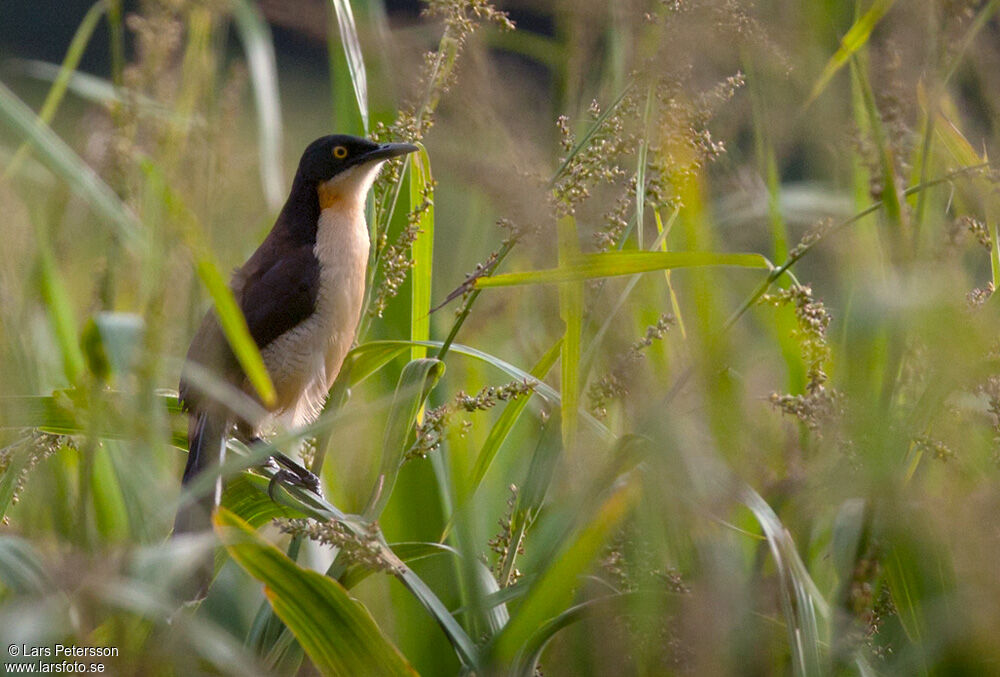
(206, 450)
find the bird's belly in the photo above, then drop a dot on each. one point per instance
(304, 362)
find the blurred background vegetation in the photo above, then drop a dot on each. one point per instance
(717, 391)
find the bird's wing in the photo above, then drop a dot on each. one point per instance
(279, 296)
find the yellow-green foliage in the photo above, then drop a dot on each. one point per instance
(720, 396)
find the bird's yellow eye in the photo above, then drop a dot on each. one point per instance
(340, 152)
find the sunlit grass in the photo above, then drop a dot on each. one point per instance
(678, 357)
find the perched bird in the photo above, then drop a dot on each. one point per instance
(301, 293)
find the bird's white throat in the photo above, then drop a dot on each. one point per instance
(349, 187)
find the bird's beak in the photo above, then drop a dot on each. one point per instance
(385, 151)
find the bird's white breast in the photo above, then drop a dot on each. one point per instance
(305, 361)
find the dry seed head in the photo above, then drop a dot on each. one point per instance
(979, 296)
(613, 385)
(366, 550)
(819, 403)
(501, 543)
(934, 448)
(431, 432)
(38, 446)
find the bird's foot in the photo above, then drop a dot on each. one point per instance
(292, 474)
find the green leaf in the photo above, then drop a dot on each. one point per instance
(467, 652)
(60, 310)
(110, 512)
(21, 567)
(382, 350)
(121, 338)
(848, 527)
(640, 172)
(536, 483)
(801, 601)
(854, 40)
(367, 359)
(336, 631)
(554, 590)
(571, 313)
(919, 576)
(67, 165)
(511, 413)
(37, 411)
(611, 264)
(422, 251)
(102, 91)
(55, 96)
(531, 653)
(355, 59)
(259, 49)
(246, 497)
(415, 383)
(234, 326)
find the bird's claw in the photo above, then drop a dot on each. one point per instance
(291, 474)
(283, 476)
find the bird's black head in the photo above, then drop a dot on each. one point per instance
(329, 156)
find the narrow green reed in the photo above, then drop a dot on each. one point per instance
(769, 445)
(58, 90)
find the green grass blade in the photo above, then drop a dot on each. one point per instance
(598, 338)
(662, 232)
(55, 96)
(541, 389)
(640, 172)
(38, 411)
(68, 166)
(527, 662)
(259, 49)
(958, 146)
(612, 264)
(116, 30)
(541, 469)
(571, 313)
(407, 552)
(505, 423)
(367, 359)
(415, 383)
(853, 40)
(59, 308)
(553, 592)
(21, 568)
(246, 497)
(467, 651)
(111, 515)
(234, 326)
(336, 631)
(101, 91)
(801, 601)
(890, 195)
(355, 59)
(982, 18)
(422, 251)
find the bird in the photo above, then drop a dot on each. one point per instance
(301, 293)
